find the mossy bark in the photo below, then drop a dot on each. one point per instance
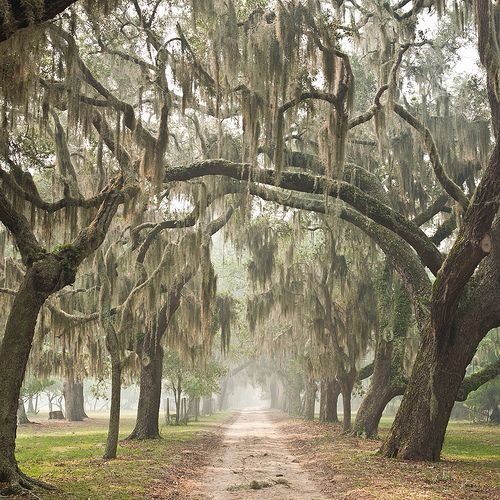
(420, 425)
(388, 379)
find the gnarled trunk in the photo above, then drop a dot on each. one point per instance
(46, 274)
(148, 409)
(420, 425)
(371, 409)
(445, 352)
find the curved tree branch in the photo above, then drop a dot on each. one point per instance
(476, 380)
(18, 14)
(448, 184)
(369, 206)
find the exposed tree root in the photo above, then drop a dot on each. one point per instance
(139, 436)
(20, 485)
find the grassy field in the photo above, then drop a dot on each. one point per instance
(466, 441)
(349, 468)
(69, 456)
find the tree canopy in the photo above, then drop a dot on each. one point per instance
(336, 145)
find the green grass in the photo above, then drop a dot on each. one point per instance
(69, 456)
(465, 440)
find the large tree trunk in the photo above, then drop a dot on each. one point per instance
(116, 387)
(449, 342)
(14, 353)
(148, 409)
(346, 386)
(47, 273)
(73, 400)
(310, 400)
(420, 425)
(331, 397)
(371, 409)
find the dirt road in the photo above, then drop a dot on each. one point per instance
(256, 463)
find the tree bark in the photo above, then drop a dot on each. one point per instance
(148, 409)
(388, 380)
(322, 400)
(116, 387)
(331, 396)
(371, 409)
(420, 424)
(73, 400)
(346, 386)
(177, 396)
(310, 400)
(22, 418)
(14, 353)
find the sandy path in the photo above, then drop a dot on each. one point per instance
(255, 449)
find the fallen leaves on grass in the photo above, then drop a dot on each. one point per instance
(348, 467)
